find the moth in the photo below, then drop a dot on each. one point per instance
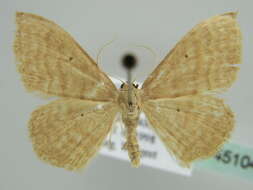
(178, 97)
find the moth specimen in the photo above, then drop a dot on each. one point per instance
(178, 97)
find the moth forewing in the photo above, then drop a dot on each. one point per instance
(204, 60)
(53, 63)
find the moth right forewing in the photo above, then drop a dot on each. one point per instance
(54, 64)
(205, 59)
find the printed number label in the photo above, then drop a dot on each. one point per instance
(229, 157)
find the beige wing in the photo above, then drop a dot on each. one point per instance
(68, 132)
(54, 64)
(204, 60)
(191, 127)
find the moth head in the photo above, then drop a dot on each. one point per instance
(124, 86)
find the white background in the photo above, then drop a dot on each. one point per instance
(157, 24)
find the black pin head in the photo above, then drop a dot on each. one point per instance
(129, 61)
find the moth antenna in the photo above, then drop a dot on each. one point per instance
(147, 48)
(104, 46)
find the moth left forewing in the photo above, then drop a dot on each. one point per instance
(192, 127)
(68, 132)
